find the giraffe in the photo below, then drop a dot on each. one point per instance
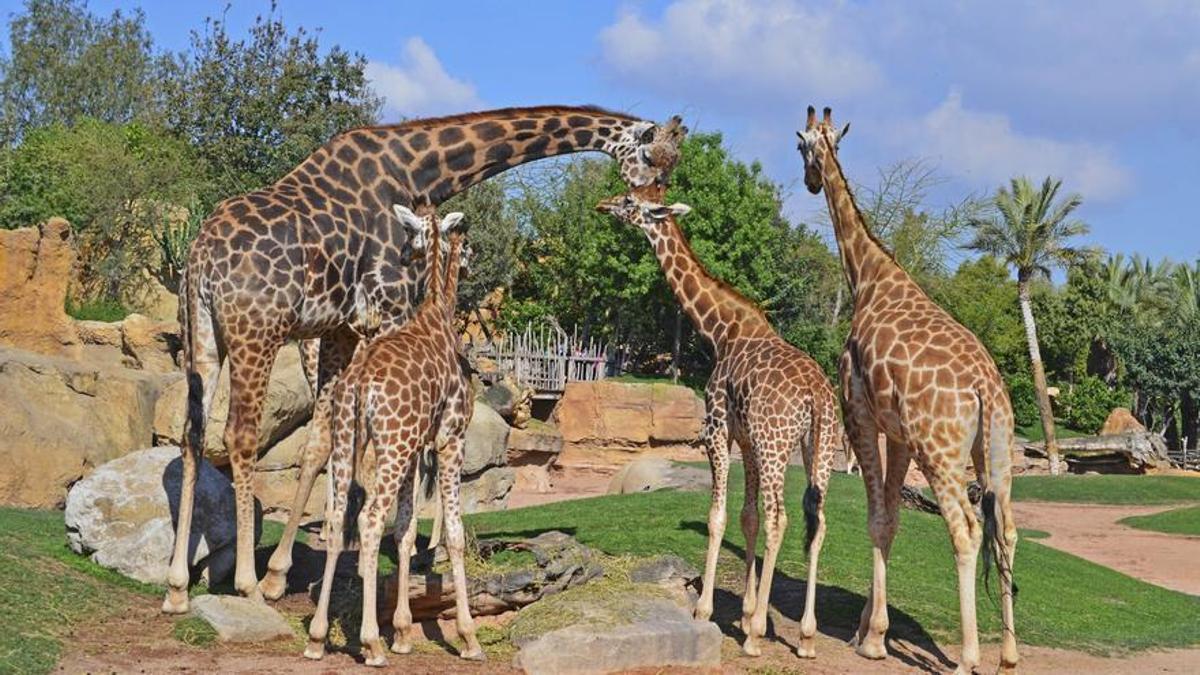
(912, 373)
(766, 395)
(284, 263)
(404, 391)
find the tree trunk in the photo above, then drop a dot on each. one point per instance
(675, 351)
(1190, 424)
(837, 307)
(1039, 376)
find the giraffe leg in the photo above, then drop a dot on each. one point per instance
(406, 537)
(449, 481)
(341, 471)
(249, 372)
(864, 439)
(206, 366)
(716, 441)
(775, 516)
(370, 525)
(966, 534)
(336, 351)
(818, 461)
(749, 520)
(999, 445)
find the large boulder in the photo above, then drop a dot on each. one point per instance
(288, 406)
(509, 398)
(1121, 421)
(35, 268)
(60, 418)
(605, 423)
(123, 516)
(647, 474)
(237, 619)
(487, 440)
(532, 452)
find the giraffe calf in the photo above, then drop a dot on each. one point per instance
(405, 391)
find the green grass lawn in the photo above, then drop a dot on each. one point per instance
(1175, 521)
(1107, 489)
(1064, 601)
(1034, 432)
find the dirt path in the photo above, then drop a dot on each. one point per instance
(1093, 533)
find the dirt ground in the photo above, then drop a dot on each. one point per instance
(141, 641)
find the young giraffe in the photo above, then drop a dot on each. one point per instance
(914, 374)
(284, 263)
(405, 391)
(765, 394)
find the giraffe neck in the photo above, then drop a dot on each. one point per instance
(863, 256)
(424, 162)
(431, 303)
(718, 311)
(449, 290)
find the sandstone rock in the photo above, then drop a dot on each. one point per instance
(35, 268)
(609, 414)
(655, 473)
(1120, 421)
(629, 632)
(60, 418)
(277, 488)
(239, 619)
(532, 452)
(122, 515)
(151, 344)
(287, 453)
(288, 406)
(509, 398)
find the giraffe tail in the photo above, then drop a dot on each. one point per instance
(357, 497)
(427, 469)
(993, 515)
(189, 320)
(826, 439)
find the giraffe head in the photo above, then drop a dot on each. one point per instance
(647, 152)
(818, 141)
(643, 213)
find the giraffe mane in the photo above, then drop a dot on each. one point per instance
(721, 284)
(481, 115)
(867, 225)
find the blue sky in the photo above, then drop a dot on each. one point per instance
(1104, 94)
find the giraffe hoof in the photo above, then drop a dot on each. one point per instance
(176, 601)
(473, 655)
(806, 649)
(701, 614)
(375, 661)
(315, 650)
(750, 647)
(273, 585)
(873, 650)
(402, 646)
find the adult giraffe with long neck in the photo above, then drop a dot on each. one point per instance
(914, 374)
(766, 395)
(284, 262)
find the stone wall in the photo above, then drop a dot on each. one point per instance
(36, 264)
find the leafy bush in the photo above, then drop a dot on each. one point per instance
(1087, 403)
(1024, 400)
(96, 310)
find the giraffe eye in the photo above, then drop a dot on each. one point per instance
(647, 135)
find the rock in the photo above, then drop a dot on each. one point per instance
(36, 265)
(122, 515)
(287, 453)
(631, 632)
(487, 440)
(60, 418)
(288, 406)
(151, 344)
(487, 491)
(532, 452)
(663, 569)
(656, 473)
(628, 416)
(1131, 452)
(239, 619)
(510, 399)
(276, 489)
(1120, 421)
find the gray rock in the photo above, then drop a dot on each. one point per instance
(487, 491)
(656, 473)
(239, 619)
(487, 440)
(663, 569)
(659, 634)
(123, 516)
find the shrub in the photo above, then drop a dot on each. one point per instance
(1024, 400)
(1087, 403)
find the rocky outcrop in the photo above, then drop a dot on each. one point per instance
(613, 422)
(1120, 421)
(123, 515)
(61, 418)
(288, 406)
(1131, 452)
(509, 398)
(532, 452)
(647, 474)
(35, 268)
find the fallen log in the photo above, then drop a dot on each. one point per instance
(1131, 452)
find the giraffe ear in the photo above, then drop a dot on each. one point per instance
(453, 222)
(679, 209)
(845, 130)
(411, 220)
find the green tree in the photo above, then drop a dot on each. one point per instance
(255, 107)
(1030, 232)
(493, 239)
(982, 297)
(64, 63)
(115, 183)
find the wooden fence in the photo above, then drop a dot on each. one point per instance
(547, 360)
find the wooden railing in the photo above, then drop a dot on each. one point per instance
(546, 360)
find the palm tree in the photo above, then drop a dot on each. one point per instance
(1030, 232)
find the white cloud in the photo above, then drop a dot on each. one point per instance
(419, 85)
(733, 54)
(985, 150)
